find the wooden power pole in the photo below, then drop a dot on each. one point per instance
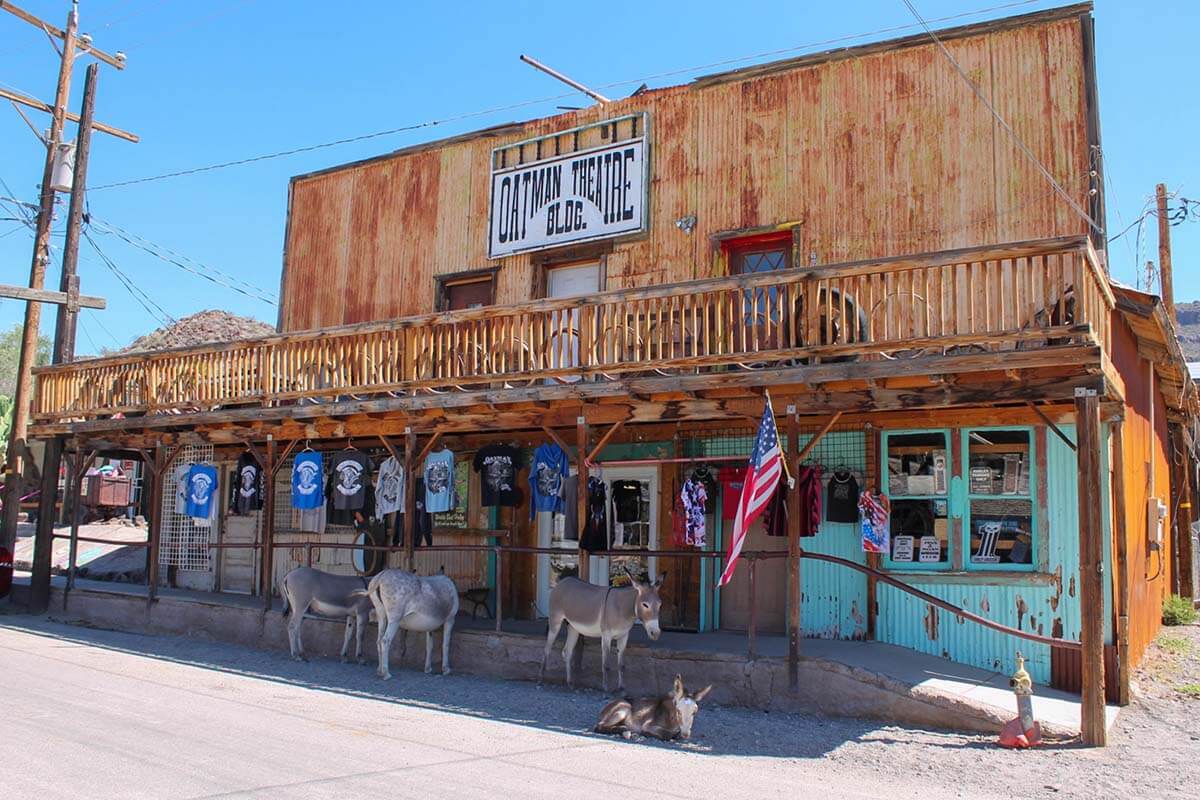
(1164, 253)
(17, 446)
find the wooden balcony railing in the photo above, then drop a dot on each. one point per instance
(979, 300)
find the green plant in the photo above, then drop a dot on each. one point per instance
(1190, 689)
(1175, 645)
(1178, 611)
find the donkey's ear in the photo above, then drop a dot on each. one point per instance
(633, 579)
(703, 693)
(660, 580)
(677, 688)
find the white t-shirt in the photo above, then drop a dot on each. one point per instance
(389, 487)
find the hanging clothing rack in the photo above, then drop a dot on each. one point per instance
(645, 462)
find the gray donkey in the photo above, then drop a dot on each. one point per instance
(328, 595)
(404, 600)
(668, 717)
(605, 612)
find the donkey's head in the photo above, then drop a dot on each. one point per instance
(687, 704)
(648, 603)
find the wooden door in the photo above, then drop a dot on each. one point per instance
(770, 580)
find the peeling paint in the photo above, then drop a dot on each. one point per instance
(984, 606)
(1056, 630)
(931, 622)
(1022, 610)
(1054, 598)
(1071, 587)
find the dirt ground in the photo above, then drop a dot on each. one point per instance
(1154, 748)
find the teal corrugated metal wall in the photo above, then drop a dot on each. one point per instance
(1045, 603)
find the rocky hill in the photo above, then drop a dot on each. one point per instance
(1189, 328)
(201, 328)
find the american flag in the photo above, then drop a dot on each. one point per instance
(762, 477)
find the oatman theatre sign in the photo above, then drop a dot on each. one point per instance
(589, 194)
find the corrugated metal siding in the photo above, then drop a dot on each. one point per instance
(1049, 609)
(883, 154)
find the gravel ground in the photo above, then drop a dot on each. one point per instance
(1153, 752)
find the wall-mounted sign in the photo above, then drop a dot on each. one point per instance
(931, 550)
(590, 194)
(902, 548)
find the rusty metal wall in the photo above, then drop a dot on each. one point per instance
(880, 154)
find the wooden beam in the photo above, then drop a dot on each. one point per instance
(391, 448)
(58, 33)
(1123, 589)
(33, 102)
(813, 442)
(428, 448)
(1050, 424)
(600, 445)
(47, 296)
(571, 454)
(1093, 725)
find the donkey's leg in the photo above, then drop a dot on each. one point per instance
(605, 646)
(360, 620)
(385, 645)
(624, 640)
(346, 638)
(552, 627)
(428, 652)
(447, 629)
(568, 651)
(295, 622)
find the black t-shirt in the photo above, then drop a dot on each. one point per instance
(349, 479)
(246, 494)
(627, 499)
(498, 464)
(595, 531)
(841, 503)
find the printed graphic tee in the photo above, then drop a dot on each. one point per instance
(389, 487)
(308, 480)
(841, 503)
(627, 500)
(348, 481)
(497, 464)
(246, 495)
(595, 530)
(180, 477)
(439, 482)
(546, 479)
(201, 491)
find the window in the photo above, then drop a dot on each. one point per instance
(462, 290)
(759, 254)
(999, 515)
(993, 500)
(918, 485)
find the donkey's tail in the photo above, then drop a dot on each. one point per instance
(283, 592)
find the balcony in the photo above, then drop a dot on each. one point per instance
(848, 320)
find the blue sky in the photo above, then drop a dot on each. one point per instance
(215, 81)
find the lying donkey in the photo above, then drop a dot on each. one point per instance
(328, 595)
(404, 600)
(605, 612)
(667, 717)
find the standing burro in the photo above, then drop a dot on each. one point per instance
(414, 603)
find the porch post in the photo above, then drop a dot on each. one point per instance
(793, 506)
(266, 556)
(43, 543)
(1091, 567)
(157, 464)
(1121, 557)
(410, 494)
(581, 493)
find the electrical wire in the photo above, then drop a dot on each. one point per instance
(140, 296)
(96, 318)
(524, 104)
(1004, 123)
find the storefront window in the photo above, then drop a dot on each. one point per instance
(918, 486)
(1000, 518)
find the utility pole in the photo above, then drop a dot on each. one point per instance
(18, 449)
(1164, 253)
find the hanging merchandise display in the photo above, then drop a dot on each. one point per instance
(336, 486)
(497, 464)
(348, 480)
(246, 494)
(627, 500)
(808, 484)
(595, 531)
(546, 477)
(707, 476)
(423, 524)
(570, 513)
(201, 491)
(776, 516)
(876, 512)
(732, 479)
(308, 480)
(842, 497)
(439, 482)
(179, 478)
(694, 497)
(389, 487)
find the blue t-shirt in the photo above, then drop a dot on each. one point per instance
(201, 490)
(546, 478)
(308, 481)
(439, 482)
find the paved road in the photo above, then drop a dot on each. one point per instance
(100, 714)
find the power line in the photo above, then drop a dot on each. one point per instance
(140, 296)
(524, 104)
(1004, 123)
(96, 317)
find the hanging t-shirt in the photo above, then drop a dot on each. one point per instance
(777, 515)
(349, 517)
(694, 499)
(389, 487)
(842, 498)
(627, 500)
(348, 480)
(595, 531)
(808, 484)
(439, 482)
(732, 479)
(708, 477)
(423, 524)
(308, 480)
(202, 490)
(546, 479)
(570, 511)
(246, 494)
(876, 520)
(180, 478)
(497, 464)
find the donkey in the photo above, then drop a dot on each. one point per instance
(328, 595)
(404, 600)
(667, 717)
(605, 612)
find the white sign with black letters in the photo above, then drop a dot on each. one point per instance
(592, 194)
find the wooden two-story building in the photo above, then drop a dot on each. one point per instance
(918, 280)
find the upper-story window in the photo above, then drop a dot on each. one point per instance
(759, 255)
(463, 290)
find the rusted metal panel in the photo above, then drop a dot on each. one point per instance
(879, 154)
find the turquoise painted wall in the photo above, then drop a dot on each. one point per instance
(1046, 602)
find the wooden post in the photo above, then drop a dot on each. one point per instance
(1091, 566)
(79, 466)
(1164, 252)
(266, 556)
(157, 464)
(1121, 556)
(499, 581)
(794, 594)
(410, 494)
(581, 493)
(752, 630)
(1182, 521)
(43, 543)
(875, 442)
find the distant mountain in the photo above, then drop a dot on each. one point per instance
(1189, 328)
